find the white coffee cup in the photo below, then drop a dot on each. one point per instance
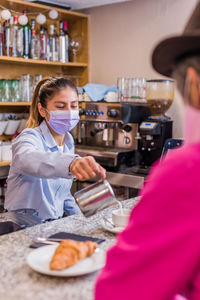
(120, 217)
(6, 151)
(22, 125)
(11, 127)
(3, 125)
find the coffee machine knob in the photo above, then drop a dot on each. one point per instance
(127, 128)
(82, 112)
(113, 113)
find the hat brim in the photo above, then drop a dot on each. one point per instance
(169, 51)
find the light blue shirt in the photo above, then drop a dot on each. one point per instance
(39, 175)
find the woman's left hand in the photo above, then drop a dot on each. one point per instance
(86, 167)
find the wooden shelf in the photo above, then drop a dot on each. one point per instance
(4, 163)
(78, 24)
(15, 103)
(21, 5)
(20, 60)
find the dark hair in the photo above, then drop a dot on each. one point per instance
(180, 70)
(44, 91)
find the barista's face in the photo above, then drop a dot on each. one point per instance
(192, 88)
(66, 99)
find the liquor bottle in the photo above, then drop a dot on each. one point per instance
(26, 38)
(62, 48)
(20, 41)
(43, 43)
(35, 42)
(66, 41)
(1, 39)
(57, 50)
(48, 45)
(15, 36)
(8, 29)
(32, 25)
(53, 43)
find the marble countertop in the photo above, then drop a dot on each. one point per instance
(19, 281)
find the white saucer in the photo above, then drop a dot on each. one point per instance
(107, 226)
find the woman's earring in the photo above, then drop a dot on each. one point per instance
(187, 90)
(191, 92)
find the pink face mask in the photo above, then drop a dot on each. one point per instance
(192, 125)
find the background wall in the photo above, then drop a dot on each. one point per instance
(123, 35)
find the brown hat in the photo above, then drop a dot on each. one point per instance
(170, 50)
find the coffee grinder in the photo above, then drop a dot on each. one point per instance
(156, 128)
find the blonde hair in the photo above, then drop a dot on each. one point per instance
(44, 91)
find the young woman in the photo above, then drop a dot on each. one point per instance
(44, 162)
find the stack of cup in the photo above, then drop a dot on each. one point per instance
(10, 90)
(5, 151)
(131, 89)
(26, 85)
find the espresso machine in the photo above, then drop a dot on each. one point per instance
(126, 137)
(109, 132)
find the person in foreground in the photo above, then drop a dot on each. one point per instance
(44, 163)
(157, 256)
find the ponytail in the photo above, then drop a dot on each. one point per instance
(35, 119)
(45, 90)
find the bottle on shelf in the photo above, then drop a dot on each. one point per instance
(53, 44)
(48, 45)
(26, 38)
(35, 42)
(8, 43)
(43, 43)
(62, 47)
(1, 39)
(15, 37)
(20, 41)
(66, 41)
(57, 44)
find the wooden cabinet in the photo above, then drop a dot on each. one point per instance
(78, 25)
(13, 68)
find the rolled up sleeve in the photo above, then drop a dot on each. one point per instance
(29, 158)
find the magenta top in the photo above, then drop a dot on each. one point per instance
(157, 256)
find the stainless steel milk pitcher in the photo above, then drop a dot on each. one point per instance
(95, 197)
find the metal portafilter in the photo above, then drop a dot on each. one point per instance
(80, 132)
(108, 134)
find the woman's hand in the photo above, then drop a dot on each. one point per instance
(86, 167)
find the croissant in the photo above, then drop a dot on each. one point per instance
(69, 252)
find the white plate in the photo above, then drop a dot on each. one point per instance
(107, 226)
(39, 260)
